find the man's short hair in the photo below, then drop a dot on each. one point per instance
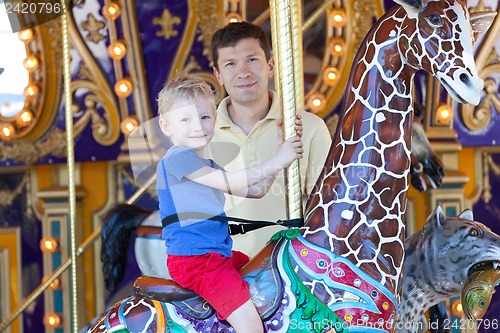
(232, 33)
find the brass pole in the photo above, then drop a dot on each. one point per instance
(288, 84)
(71, 165)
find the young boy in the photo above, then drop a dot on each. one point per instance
(199, 251)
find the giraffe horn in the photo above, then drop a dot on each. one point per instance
(412, 7)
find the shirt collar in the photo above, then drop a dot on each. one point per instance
(225, 121)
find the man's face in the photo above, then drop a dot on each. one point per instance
(244, 71)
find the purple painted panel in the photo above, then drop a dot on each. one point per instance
(17, 214)
(159, 52)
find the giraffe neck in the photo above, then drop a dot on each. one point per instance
(357, 208)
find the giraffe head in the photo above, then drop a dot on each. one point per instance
(437, 36)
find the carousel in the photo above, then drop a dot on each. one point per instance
(400, 232)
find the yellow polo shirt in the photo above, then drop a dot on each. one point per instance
(232, 149)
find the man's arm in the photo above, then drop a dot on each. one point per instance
(319, 146)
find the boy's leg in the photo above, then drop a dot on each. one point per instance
(246, 319)
(240, 259)
(215, 278)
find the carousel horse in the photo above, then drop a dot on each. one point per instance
(342, 270)
(426, 171)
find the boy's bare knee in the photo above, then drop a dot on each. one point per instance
(246, 319)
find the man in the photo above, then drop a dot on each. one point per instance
(242, 63)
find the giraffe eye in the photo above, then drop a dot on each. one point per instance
(434, 21)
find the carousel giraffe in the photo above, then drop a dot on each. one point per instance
(342, 270)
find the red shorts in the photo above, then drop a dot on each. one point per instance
(214, 277)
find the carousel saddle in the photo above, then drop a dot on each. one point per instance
(266, 289)
(168, 291)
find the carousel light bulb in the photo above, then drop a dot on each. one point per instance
(338, 18)
(31, 63)
(52, 320)
(233, 18)
(331, 76)
(49, 245)
(128, 125)
(6, 131)
(456, 308)
(31, 90)
(316, 102)
(123, 88)
(337, 46)
(444, 114)
(25, 36)
(117, 50)
(111, 11)
(24, 117)
(54, 285)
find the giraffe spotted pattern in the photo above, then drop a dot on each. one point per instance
(359, 201)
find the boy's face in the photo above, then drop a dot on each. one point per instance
(244, 71)
(190, 125)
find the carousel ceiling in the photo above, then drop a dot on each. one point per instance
(123, 51)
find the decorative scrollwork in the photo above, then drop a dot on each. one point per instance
(207, 15)
(30, 152)
(100, 107)
(477, 118)
(365, 12)
(102, 125)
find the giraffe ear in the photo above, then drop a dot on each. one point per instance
(412, 7)
(481, 21)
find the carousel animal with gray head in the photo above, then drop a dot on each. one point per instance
(442, 261)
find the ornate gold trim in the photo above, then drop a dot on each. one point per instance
(481, 173)
(488, 164)
(45, 106)
(106, 130)
(10, 274)
(30, 152)
(477, 118)
(208, 13)
(187, 40)
(143, 109)
(359, 15)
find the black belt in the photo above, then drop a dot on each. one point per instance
(242, 227)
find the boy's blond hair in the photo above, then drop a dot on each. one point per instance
(184, 86)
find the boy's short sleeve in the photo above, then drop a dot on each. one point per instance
(184, 162)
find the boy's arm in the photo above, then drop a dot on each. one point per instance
(258, 190)
(237, 181)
